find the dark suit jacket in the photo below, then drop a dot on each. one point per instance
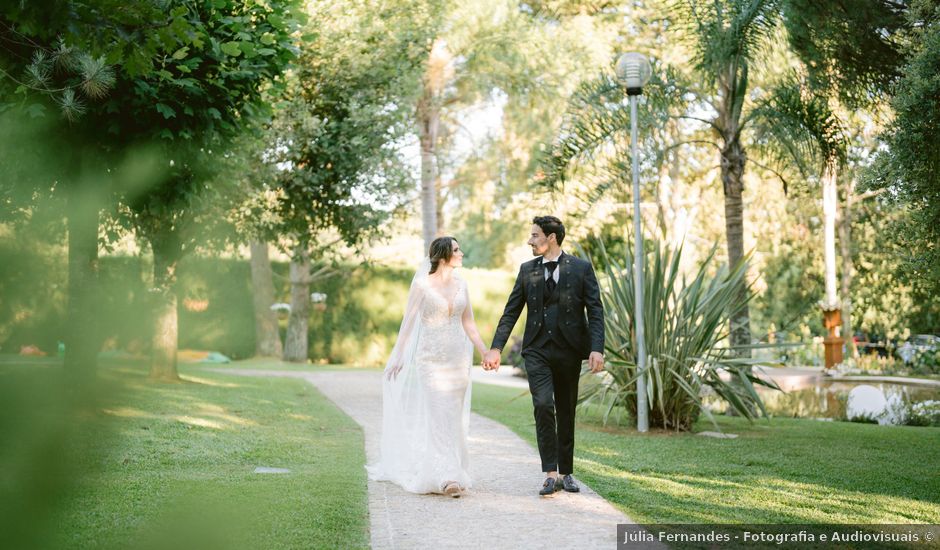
(581, 314)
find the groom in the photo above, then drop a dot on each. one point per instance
(558, 290)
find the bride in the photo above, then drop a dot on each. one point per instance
(426, 390)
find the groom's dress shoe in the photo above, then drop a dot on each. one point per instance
(550, 487)
(569, 484)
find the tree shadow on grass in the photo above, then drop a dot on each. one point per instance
(891, 470)
(790, 472)
(655, 497)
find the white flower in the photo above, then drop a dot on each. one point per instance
(280, 306)
(317, 297)
(924, 406)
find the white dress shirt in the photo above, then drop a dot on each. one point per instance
(557, 267)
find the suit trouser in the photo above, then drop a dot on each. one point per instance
(553, 371)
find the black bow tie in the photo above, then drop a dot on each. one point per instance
(550, 281)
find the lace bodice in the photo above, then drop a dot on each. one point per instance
(442, 339)
(438, 310)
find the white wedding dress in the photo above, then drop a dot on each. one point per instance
(426, 408)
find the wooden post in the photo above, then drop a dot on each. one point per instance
(832, 320)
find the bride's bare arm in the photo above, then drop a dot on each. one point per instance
(470, 326)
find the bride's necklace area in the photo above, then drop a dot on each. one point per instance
(447, 292)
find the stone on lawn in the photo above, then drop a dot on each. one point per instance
(269, 470)
(719, 435)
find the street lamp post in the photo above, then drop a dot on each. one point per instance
(633, 70)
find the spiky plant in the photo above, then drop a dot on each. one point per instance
(686, 322)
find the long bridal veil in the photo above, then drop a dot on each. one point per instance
(403, 401)
(409, 426)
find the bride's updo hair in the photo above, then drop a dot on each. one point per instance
(441, 250)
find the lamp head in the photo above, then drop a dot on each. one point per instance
(633, 70)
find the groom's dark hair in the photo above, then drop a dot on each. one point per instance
(550, 225)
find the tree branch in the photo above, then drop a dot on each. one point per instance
(324, 272)
(706, 121)
(783, 180)
(866, 195)
(31, 87)
(687, 142)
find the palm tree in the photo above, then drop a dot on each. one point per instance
(437, 75)
(726, 38)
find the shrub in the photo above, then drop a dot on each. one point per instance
(685, 322)
(925, 362)
(359, 323)
(925, 413)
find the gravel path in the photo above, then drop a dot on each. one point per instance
(503, 510)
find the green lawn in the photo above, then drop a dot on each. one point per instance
(275, 365)
(170, 465)
(776, 471)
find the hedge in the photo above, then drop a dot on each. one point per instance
(358, 324)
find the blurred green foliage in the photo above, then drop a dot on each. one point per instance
(358, 324)
(32, 294)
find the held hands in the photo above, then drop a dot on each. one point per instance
(491, 360)
(596, 362)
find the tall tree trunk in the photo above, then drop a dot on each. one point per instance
(830, 201)
(428, 114)
(81, 338)
(267, 336)
(732, 177)
(733, 85)
(848, 267)
(296, 345)
(441, 199)
(167, 251)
